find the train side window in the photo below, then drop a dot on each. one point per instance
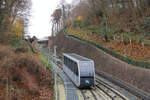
(68, 63)
(74, 68)
(77, 71)
(72, 65)
(64, 59)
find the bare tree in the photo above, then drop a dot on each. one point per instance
(56, 18)
(11, 10)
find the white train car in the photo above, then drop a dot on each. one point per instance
(79, 69)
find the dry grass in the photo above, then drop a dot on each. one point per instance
(22, 49)
(134, 51)
(23, 76)
(4, 52)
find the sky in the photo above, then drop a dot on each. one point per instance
(41, 12)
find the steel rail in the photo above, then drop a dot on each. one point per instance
(104, 91)
(83, 94)
(109, 88)
(125, 86)
(93, 95)
(87, 97)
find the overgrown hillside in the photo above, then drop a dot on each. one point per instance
(135, 47)
(122, 26)
(23, 74)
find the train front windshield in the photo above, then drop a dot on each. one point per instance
(87, 69)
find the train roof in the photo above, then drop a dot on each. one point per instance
(78, 57)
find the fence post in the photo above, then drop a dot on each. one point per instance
(55, 85)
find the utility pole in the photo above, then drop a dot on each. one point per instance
(55, 50)
(55, 73)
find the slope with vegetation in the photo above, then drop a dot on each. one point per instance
(23, 75)
(133, 50)
(122, 27)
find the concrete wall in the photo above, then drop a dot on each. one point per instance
(103, 62)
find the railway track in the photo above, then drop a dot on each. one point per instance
(112, 94)
(103, 91)
(85, 96)
(136, 92)
(96, 93)
(88, 94)
(131, 90)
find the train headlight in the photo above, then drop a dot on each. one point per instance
(87, 82)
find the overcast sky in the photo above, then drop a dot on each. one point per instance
(40, 17)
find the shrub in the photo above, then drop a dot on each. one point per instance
(16, 42)
(23, 71)
(146, 23)
(21, 49)
(76, 23)
(4, 52)
(80, 24)
(92, 28)
(145, 26)
(138, 38)
(32, 64)
(147, 34)
(146, 42)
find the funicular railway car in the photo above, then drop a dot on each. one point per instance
(79, 69)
